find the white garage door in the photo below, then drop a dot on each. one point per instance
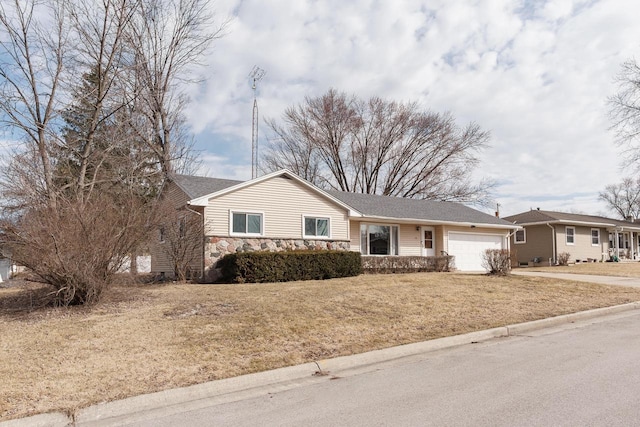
(468, 249)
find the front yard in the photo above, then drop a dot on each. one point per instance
(622, 269)
(147, 338)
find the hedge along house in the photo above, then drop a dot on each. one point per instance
(281, 211)
(546, 234)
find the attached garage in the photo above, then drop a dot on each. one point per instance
(468, 248)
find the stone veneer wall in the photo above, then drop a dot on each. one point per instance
(217, 247)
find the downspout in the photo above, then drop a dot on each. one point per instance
(509, 235)
(553, 241)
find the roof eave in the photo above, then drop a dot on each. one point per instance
(569, 222)
(440, 222)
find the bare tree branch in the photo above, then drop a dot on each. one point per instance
(338, 141)
(623, 198)
(624, 111)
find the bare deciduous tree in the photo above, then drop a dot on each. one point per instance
(183, 237)
(92, 91)
(338, 141)
(80, 248)
(167, 39)
(624, 111)
(92, 133)
(32, 57)
(623, 198)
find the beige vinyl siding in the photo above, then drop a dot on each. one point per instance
(160, 262)
(582, 247)
(410, 242)
(354, 241)
(440, 239)
(197, 263)
(283, 203)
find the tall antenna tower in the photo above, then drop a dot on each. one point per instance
(256, 75)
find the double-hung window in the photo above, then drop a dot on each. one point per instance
(316, 227)
(377, 239)
(521, 236)
(595, 237)
(570, 233)
(247, 223)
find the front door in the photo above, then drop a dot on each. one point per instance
(428, 241)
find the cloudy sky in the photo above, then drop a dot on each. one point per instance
(537, 74)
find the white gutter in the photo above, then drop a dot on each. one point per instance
(415, 221)
(568, 222)
(191, 210)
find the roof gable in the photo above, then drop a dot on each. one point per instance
(230, 186)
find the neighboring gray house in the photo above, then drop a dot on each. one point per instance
(545, 234)
(282, 211)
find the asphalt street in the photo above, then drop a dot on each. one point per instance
(582, 374)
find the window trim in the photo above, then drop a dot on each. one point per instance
(592, 236)
(515, 237)
(397, 247)
(246, 212)
(316, 217)
(566, 235)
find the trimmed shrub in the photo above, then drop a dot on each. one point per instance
(563, 258)
(406, 264)
(258, 267)
(496, 261)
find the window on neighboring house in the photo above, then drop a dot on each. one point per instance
(521, 236)
(378, 239)
(246, 223)
(161, 234)
(570, 235)
(316, 227)
(595, 236)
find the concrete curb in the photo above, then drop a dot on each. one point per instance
(53, 419)
(200, 395)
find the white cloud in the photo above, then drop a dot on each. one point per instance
(536, 74)
(221, 167)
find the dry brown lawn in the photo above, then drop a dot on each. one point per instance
(622, 269)
(147, 338)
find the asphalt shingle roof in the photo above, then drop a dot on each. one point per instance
(535, 215)
(429, 210)
(198, 186)
(367, 204)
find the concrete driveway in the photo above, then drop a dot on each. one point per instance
(604, 280)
